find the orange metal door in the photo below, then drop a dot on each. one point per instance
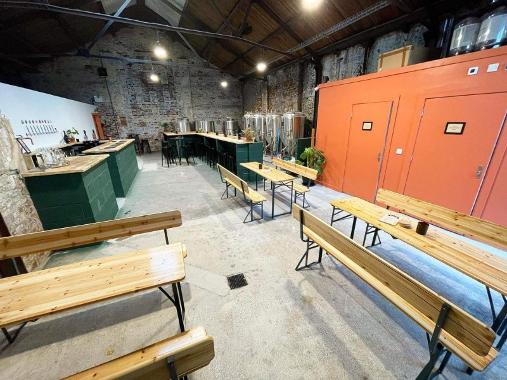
(367, 138)
(446, 168)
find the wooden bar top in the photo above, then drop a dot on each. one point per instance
(77, 164)
(110, 147)
(233, 140)
(270, 173)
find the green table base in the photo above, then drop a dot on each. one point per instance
(123, 168)
(71, 199)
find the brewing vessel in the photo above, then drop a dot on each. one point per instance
(183, 126)
(273, 133)
(292, 129)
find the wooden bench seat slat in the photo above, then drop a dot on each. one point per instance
(300, 188)
(462, 224)
(240, 185)
(190, 350)
(469, 260)
(303, 171)
(464, 335)
(33, 295)
(69, 237)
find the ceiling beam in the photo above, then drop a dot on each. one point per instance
(221, 28)
(70, 32)
(267, 9)
(201, 25)
(108, 24)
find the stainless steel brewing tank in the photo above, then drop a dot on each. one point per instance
(273, 132)
(248, 122)
(231, 127)
(259, 121)
(205, 126)
(183, 126)
(293, 128)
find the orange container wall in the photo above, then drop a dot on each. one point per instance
(428, 87)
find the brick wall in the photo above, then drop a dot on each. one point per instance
(283, 84)
(189, 87)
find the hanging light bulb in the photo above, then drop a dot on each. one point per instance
(224, 84)
(154, 78)
(261, 66)
(311, 5)
(159, 51)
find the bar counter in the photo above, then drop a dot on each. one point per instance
(78, 193)
(236, 151)
(122, 163)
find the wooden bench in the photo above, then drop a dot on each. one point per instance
(170, 358)
(299, 189)
(252, 197)
(29, 296)
(462, 224)
(449, 328)
(482, 266)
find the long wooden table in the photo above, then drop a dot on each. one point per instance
(277, 179)
(482, 266)
(33, 295)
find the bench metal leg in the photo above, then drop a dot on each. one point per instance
(371, 230)
(178, 303)
(353, 230)
(436, 349)
(336, 212)
(309, 246)
(251, 212)
(12, 337)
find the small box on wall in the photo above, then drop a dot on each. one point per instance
(407, 55)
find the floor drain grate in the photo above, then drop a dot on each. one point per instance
(237, 281)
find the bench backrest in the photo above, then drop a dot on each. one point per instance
(233, 179)
(466, 225)
(189, 351)
(464, 335)
(70, 237)
(303, 171)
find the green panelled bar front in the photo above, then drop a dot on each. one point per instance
(122, 164)
(240, 152)
(71, 199)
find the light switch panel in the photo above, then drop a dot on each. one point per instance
(399, 151)
(473, 70)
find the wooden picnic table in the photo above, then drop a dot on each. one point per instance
(484, 267)
(277, 178)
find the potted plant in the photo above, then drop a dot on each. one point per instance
(249, 134)
(71, 134)
(314, 159)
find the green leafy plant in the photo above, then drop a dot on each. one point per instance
(313, 158)
(72, 131)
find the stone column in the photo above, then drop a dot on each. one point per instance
(16, 206)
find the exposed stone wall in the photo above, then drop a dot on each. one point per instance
(16, 206)
(128, 102)
(283, 84)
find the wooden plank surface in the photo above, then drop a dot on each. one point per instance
(32, 295)
(478, 264)
(296, 168)
(77, 164)
(463, 334)
(462, 224)
(110, 146)
(236, 182)
(233, 140)
(70, 237)
(268, 172)
(190, 350)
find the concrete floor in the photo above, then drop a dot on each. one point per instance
(323, 323)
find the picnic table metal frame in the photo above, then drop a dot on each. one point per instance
(499, 324)
(176, 299)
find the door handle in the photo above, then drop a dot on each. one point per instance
(379, 156)
(478, 172)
